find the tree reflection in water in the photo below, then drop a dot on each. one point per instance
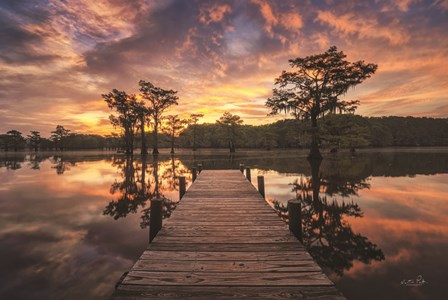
(130, 198)
(142, 182)
(12, 163)
(327, 235)
(35, 160)
(60, 164)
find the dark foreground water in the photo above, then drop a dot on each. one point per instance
(71, 224)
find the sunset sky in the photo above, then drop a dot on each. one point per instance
(58, 56)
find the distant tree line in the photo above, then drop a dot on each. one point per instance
(61, 139)
(336, 131)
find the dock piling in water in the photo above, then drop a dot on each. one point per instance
(260, 180)
(194, 174)
(182, 186)
(248, 174)
(155, 218)
(295, 218)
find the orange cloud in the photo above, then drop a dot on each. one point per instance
(287, 20)
(213, 13)
(364, 27)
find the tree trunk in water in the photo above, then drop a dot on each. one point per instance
(315, 184)
(172, 143)
(155, 166)
(231, 146)
(129, 143)
(144, 149)
(143, 177)
(315, 178)
(231, 143)
(155, 149)
(173, 167)
(314, 150)
(194, 138)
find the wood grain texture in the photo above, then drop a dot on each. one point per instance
(227, 278)
(133, 292)
(225, 255)
(224, 241)
(277, 266)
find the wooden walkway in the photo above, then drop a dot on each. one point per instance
(224, 241)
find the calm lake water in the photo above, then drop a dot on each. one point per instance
(72, 223)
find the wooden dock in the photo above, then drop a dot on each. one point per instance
(223, 241)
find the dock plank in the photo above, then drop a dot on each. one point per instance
(295, 255)
(240, 266)
(134, 292)
(227, 278)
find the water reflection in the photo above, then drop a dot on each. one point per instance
(130, 196)
(12, 163)
(327, 234)
(142, 181)
(35, 160)
(60, 164)
(53, 230)
(342, 178)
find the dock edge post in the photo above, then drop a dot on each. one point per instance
(242, 168)
(248, 174)
(182, 186)
(295, 218)
(194, 174)
(155, 218)
(199, 168)
(260, 180)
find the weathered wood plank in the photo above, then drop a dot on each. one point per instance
(229, 218)
(227, 279)
(226, 266)
(175, 226)
(225, 232)
(236, 247)
(296, 255)
(219, 209)
(226, 239)
(222, 213)
(236, 224)
(135, 292)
